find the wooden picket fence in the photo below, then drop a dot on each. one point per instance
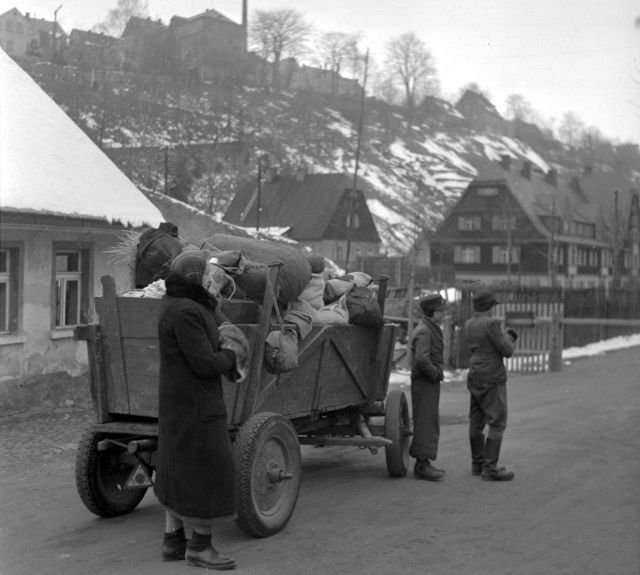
(547, 320)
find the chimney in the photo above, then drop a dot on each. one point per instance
(526, 169)
(505, 161)
(588, 170)
(552, 177)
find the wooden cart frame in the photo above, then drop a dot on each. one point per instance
(336, 396)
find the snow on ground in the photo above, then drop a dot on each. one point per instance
(603, 346)
(402, 377)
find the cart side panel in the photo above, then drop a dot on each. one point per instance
(142, 357)
(338, 368)
(381, 364)
(114, 381)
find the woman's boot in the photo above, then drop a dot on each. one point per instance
(201, 553)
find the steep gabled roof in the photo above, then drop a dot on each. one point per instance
(142, 26)
(589, 199)
(211, 13)
(599, 190)
(305, 206)
(50, 166)
(479, 101)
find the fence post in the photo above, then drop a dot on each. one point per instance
(447, 337)
(556, 344)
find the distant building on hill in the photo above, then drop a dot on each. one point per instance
(480, 113)
(23, 36)
(320, 211)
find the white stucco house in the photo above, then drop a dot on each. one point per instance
(63, 205)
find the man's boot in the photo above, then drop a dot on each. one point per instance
(490, 469)
(477, 453)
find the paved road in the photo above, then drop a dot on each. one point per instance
(573, 509)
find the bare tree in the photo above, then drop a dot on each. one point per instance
(570, 129)
(277, 34)
(335, 50)
(519, 108)
(410, 65)
(117, 18)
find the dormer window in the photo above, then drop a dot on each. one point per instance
(353, 221)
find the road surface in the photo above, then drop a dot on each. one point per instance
(573, 440)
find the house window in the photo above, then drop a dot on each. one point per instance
(469, 223)
(466, 255)
(500, 254)
(9, 45)
(593, 258)
(353, 221)
(503, 223)
(487, 191)
(71, 287)
(585, 230)
(9, 289)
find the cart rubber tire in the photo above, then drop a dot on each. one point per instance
(397, 428)
(100, 476)
(266, 447)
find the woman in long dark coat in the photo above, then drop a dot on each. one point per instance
(195, 467)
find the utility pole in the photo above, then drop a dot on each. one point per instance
(259, 204)
(551, 257)
(55, 32)
(355, 171)
(166, 170)
(616, 243)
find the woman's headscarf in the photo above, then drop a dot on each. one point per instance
(185, 277)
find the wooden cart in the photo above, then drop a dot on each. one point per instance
(337, 396)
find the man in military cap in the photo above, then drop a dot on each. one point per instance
(487, 385)
(427, 347)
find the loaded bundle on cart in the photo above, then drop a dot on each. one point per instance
(336, 393)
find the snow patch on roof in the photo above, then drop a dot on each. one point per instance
(49, 165)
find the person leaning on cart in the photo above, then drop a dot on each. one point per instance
(195, 467)
(487, 385)
(427, 371)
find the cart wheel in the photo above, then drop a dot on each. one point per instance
(397, 428)
(101, 475)
(268, 467)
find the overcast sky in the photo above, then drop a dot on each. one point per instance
(561, 55)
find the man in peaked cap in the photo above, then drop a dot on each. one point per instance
(427, 366)
(487, 385)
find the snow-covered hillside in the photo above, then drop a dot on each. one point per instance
(417, 172)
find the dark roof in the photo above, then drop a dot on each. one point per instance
(305, 206)
(89, 37)
(137, 25)
(586, 198)
(478, 100)
(211, 13)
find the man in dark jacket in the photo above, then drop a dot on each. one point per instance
(487, 385)
(426, 374)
